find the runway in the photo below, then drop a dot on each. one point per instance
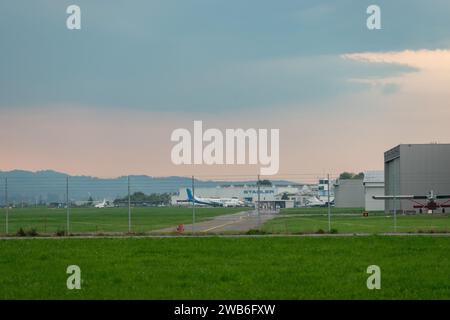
(237, 222)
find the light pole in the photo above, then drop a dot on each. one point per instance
(193, 206)
(67, 205)
(259, 201)
(6, 206)
(129, 205)
(329, 205)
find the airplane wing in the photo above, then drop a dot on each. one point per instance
(442, 196)
(396, 197)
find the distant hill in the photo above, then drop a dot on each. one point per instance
(50, 186)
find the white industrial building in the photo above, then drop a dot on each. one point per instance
(358, 193)
(323, 193)
(271, 197)
(373, 186)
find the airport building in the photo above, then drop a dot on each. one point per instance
(373, 186)
(349, 193)
(270, 197)
(323, 192)
(416, 169)
(358, 193)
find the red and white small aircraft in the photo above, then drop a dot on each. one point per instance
(431, 201)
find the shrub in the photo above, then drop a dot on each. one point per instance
(333, 231)
(26, 233)
(31, 232)
(320, 231)
(255, 232)
(60, 233)
(20, 233)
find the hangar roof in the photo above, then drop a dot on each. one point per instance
(375, 176)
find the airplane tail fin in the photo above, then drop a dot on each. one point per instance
(189, 194)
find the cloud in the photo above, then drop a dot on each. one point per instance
(430, 79)
(202, 56)
(390, 88)
(287, 81)
(253, 84)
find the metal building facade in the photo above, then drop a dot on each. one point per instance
(373, 186)
(349, 193)
(416, 169)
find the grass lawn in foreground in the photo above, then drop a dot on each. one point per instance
(413, 267)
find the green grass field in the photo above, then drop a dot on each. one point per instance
(48, 220)
(310, 220)
(323, 210)
(412, 267)
(300, 220)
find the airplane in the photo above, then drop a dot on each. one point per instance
(431, 203)
(214, 202)
(313, 201)
(102, 204)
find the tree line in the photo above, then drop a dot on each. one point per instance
(153, 199)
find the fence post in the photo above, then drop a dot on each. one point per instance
(67, 205)
(329, 205)
(129, 205)
(193, 206)
(259, 199)
(394, 202)
(395, 215)
(6, 206)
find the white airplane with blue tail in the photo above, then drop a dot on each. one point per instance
(214, 202)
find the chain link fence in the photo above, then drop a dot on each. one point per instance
(230, 205)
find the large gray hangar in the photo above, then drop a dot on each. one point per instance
(416, 169)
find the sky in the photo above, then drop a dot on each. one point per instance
(104, 100)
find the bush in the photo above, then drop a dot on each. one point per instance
(320, 231)
(255, 232)
(27, 233)
(31, 233)
(60, 233)
(333, 231)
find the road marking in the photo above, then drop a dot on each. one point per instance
(221, 225)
